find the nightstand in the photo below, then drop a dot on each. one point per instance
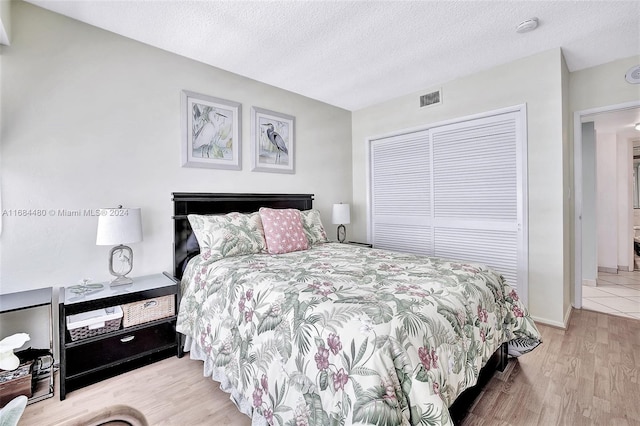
(87, 360)
(356, 243)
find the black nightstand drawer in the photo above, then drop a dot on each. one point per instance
(122, 347)
(356, 243)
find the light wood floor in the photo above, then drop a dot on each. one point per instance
(586, 375)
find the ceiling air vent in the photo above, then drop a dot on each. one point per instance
(432, 98)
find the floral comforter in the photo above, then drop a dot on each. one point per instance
(340, 334)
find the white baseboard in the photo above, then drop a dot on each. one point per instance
(545, 321)
(589, 283)
(567, 317)
(607, 270)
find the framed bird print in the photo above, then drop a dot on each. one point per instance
(273, 141)
(211, 130)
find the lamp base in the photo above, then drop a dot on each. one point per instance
(120, 280)
(123, 256)
(342, 233)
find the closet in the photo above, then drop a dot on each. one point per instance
(456, 191)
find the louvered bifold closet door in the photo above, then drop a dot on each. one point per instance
(476, 181)
(401, 193)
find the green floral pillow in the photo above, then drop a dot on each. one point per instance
(313, 228)
(232, 234)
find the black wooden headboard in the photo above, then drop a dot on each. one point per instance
(185, 245)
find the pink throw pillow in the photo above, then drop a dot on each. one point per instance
(283, 230)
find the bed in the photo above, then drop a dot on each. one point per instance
(335, 333)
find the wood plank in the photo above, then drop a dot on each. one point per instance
(573, 378)
(169, 392)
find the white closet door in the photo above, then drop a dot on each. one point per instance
(456, 191)
(401, 189)
(475, 191)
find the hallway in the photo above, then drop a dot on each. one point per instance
(616, 294)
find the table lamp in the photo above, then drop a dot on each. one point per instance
(117, 227)
(341, 216)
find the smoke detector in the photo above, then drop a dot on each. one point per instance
(528, 25)
(633, 75)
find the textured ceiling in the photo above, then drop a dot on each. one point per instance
(353, 54)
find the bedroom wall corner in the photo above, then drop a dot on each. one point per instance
(603, 85)
(567, 184)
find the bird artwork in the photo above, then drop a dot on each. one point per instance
(212, 133)
(277, 141)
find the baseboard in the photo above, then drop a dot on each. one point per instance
(607, 270)
(567, 317)
(561, 325)
(623, 268)
(550, 323)
(589, 283)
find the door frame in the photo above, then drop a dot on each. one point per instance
(577, 190)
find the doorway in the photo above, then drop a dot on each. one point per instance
(613, 286)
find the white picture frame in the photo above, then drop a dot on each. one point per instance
(272, 141)
(211, 132)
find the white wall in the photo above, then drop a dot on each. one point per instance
(567, 201)
(589, 205)
(625, 203)
(607, 201)
(603, 85)
(614, 201)
(92, 119)
(536, 81)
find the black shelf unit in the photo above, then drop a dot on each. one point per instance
(357, 243)
(93, 359)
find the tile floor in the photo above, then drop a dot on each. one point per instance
(616, 294)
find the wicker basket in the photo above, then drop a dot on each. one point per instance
(148, 310)
(93, 323)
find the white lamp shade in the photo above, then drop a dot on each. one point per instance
(341, 214)
(119, 226)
